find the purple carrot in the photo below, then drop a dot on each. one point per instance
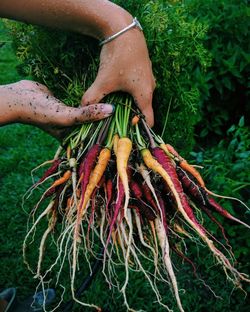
(117, 208)
(200, 195)
(135, 189)
(93, 205)
(91, 219)
(109, 195)
(213, 204)
(52, 169)
(146, 211)
(213, 219)
(49, 192)
(87, 166)
(185, 258)
(136, 208)
(166, 163)
(147, 194)
(195, 191)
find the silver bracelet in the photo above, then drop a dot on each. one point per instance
(135, 23)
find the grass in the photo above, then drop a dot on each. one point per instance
(22, 148)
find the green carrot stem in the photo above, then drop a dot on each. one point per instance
(111, 133)
(117, 121)
(140, 142)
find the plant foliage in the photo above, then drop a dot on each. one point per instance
(58, 59)
(225, 86)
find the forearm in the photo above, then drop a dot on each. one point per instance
(8, 107)
(96, 18)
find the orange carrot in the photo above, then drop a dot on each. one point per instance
(172, 151)
(189, 168)
(135, 120)
(185, 165)
(94, 179)
(63, 179)
(96, 175)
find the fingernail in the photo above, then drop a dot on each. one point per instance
(108, 109)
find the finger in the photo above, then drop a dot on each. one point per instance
(59, 124)
(149, 115)
(144, 102)
(97, 91)
(88, 113)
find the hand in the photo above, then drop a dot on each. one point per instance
(32, 103)
(124, 62)
(125, 66)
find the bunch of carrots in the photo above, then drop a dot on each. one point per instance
(116, 186)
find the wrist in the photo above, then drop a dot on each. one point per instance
(118, 21)
(134, 24)
(112, 19)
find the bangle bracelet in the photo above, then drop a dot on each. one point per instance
(135, 23)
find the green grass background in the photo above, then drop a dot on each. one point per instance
(22, 148)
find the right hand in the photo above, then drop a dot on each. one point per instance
(125, 66)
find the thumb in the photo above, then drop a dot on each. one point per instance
(96, 92)
(89, 113)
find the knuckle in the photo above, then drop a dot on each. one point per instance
(89, 112)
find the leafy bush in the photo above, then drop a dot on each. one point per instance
(175, 46)
(224, 87)
(228, 163)
(227, 168)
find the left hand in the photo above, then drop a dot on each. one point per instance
(32, 103)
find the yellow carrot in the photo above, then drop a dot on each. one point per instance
(115, 143)
(68, 151)
(124, 147)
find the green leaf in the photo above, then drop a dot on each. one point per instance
(242, 122)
